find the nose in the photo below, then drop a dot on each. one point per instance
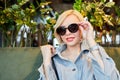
(67, 32)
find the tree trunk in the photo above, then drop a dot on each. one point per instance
(114, 38)
(39, 38)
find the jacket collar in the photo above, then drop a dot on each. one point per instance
(62, 47)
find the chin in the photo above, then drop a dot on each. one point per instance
(71, 44)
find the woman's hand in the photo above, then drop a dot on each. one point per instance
(47, 52)
(87, 32)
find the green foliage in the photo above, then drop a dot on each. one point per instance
(117, 10)
(77, 5)
(14, 16)
(109, 4)
(103, 15)
(50, 24)
(18, 15)
(95, 12)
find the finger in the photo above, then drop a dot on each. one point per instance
(86, 25)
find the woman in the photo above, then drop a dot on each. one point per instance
(78, 57)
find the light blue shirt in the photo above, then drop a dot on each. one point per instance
(84, 68)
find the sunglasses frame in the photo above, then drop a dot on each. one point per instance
(61, 30)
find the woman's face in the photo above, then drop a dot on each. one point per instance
(71, 39)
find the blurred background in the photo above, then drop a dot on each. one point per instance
(30, 23)
(27, 24)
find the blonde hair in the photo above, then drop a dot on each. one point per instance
(62, 18)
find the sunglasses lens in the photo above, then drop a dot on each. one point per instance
(61, 30)
(73, 28)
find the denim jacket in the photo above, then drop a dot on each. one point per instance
(84, 68)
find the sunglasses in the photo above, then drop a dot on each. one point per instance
(72, 28)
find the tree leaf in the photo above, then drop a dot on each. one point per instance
(15, 7)
(103, 1)
(110, 4)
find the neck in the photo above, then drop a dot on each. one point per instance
(73, 49)
(71, 52)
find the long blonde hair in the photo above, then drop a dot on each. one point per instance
(62, 18)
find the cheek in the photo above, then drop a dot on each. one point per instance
(79, 35)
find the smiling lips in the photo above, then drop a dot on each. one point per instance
(70, 39)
